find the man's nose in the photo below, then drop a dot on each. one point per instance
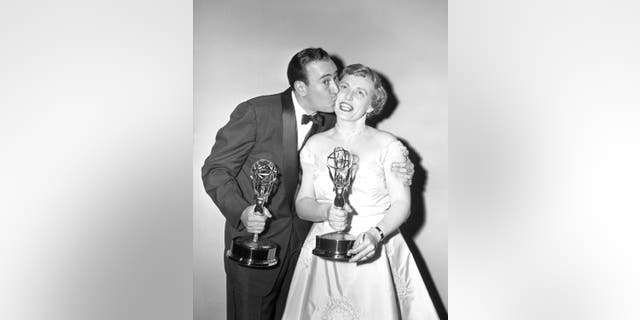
(334, 87)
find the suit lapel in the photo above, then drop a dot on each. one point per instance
(289, 144)
(312, 131)
(329, 122)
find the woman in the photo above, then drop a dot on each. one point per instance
(381, 279)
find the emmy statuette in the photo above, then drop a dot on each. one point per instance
(251, 251)
(334, 245)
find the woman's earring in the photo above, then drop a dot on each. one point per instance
(369, 111)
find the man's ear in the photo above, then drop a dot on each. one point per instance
(300, 87)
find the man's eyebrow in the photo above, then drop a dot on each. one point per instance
(326, 75)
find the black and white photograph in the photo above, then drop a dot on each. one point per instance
(320, 160)
(212, 159)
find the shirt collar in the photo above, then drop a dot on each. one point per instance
(298, 109)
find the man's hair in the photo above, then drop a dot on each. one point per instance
(296, 70)
(380, 94)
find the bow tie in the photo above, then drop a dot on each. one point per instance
(316, 119)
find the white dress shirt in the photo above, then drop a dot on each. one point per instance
(303, 129)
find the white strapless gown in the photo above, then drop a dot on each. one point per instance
(389, 287)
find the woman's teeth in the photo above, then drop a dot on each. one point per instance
(345, 107)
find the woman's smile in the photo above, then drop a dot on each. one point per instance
(346, 107)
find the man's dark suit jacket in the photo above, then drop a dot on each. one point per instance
(263, 127)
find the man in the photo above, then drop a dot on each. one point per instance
(273, 127)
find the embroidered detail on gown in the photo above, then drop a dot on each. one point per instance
(389, 287)
(339, 308)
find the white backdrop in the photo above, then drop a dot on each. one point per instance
(241, 50)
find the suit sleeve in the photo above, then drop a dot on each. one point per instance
(233, 144)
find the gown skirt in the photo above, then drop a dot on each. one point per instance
(389, 286)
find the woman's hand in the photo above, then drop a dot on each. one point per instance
(365, 246)
(337, 217)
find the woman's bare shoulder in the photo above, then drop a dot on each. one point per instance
(319, 139)
(383, 138)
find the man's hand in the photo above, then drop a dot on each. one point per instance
(337, 217)
(253, 221)
(404, 171)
